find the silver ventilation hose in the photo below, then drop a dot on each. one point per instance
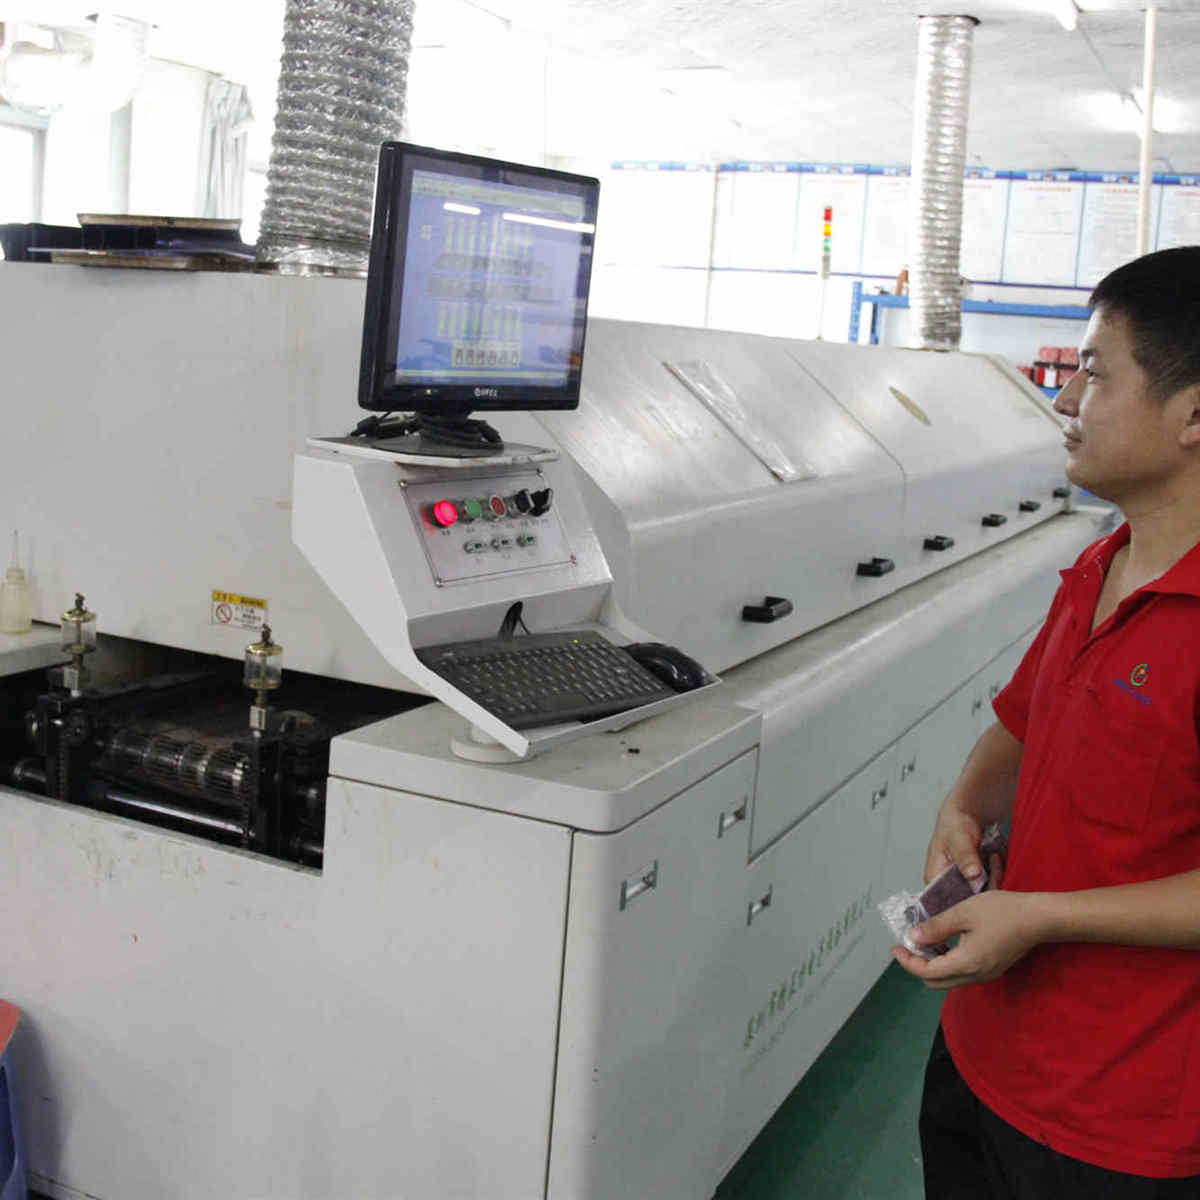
(341, 92)
(939, 157)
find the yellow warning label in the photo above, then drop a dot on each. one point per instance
(236, 611)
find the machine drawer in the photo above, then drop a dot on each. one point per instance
(645, 1051)
(808, 950)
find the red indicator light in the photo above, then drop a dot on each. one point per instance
(829, 214)
(444, 513)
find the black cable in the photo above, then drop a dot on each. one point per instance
(457, 431)
(511, 619)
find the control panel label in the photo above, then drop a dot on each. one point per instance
(236, 611)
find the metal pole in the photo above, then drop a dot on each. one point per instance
(1145, 174)
(712, 252)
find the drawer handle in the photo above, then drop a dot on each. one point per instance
(729, 819)
(639, 883)
(758, 906)
(877, 567)
(773, 608)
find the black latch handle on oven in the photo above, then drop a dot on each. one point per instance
(771, 609)
(939, 542)
(994, 519)
(876, 567)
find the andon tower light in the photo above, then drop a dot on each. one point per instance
(824, 272)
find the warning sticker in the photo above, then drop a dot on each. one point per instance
(237, 611)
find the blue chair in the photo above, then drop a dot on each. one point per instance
(12, 1150)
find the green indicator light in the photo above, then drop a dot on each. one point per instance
(473, 509)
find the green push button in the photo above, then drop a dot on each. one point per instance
(473, 509)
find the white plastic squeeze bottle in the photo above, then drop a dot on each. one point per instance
(16, 608)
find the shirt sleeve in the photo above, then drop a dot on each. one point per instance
(1011, 706)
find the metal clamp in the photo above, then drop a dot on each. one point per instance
(728, 820)
(907, 769)
(879, 795)
(636, 884)
(977, 705)
(758, 905)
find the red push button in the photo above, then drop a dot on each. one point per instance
(445, 513)
(497, 505)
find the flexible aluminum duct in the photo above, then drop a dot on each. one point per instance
(341, 92)
(938, 160)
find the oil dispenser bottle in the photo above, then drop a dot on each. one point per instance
(16, 608)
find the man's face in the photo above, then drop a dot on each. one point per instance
(1122, 443)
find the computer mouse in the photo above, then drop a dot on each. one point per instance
(672, 666)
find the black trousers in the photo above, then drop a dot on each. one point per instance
(969, 1153)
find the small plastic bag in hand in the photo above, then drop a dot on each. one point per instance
(904, 910)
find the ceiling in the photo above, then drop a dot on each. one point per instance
(825, 80)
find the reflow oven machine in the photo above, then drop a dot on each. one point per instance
(291, 912)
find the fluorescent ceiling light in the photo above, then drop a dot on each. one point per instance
(469, 209)
(569, 226)
(1066, 13)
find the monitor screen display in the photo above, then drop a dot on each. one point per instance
(477, 284)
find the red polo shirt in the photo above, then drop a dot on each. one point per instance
(1094, 1050)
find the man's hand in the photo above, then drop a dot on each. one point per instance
(997, 929)
(983, 793)
(955, 842)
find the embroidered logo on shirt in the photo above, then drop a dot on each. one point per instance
(1137, 678)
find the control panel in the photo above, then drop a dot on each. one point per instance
(487, 524)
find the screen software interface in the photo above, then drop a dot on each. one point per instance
(494, 284)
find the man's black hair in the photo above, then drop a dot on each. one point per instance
(1159, 295)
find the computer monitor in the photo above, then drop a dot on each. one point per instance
(477, 289)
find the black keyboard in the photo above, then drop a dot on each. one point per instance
(545, 678)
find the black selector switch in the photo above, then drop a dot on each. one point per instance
(994, 519)
(939, 542)
(522, 501)
(541, 501)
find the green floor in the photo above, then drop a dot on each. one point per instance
(849, 1130)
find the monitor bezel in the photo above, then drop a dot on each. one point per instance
(389, 234)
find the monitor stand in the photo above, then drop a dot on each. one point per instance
(440, 442)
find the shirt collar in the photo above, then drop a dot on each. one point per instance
(1181, 579)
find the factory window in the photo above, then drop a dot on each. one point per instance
(21, 151)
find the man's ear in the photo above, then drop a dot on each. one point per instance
(1189, 435)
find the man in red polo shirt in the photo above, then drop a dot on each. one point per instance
(1068, 1060)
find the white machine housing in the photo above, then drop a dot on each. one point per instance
(592, 973)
